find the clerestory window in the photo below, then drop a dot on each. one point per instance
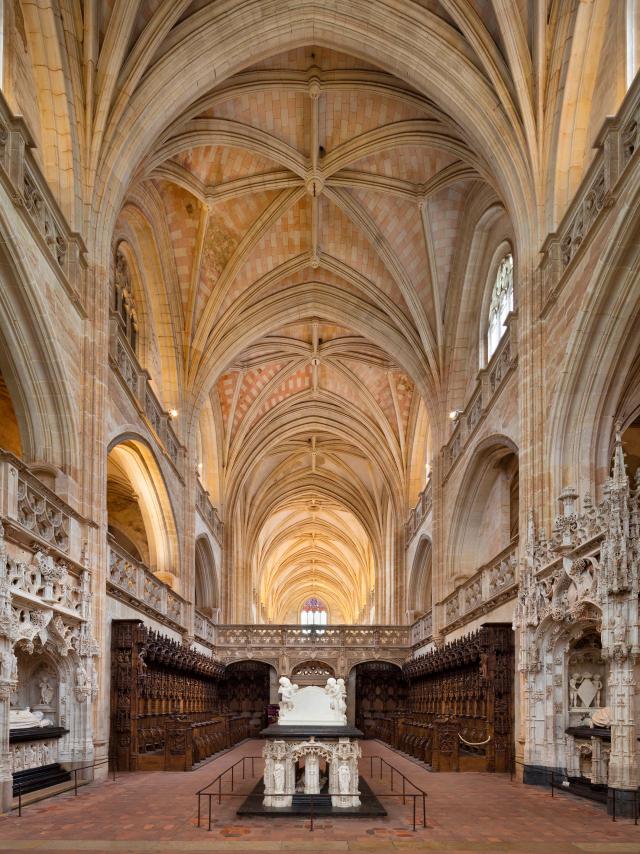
(501, 304)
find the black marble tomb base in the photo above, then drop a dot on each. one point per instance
(307, 730)
(316, 805)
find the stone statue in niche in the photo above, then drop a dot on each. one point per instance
(597, 684)
(46, 689)
(344, 779)
(311, 775)
(278, 778)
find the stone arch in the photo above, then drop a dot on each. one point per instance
(599, 368)
(484, 511)
(32, 365)
(137, 480)
(419, 591)
(377, 689)
(552, 646)
(312, 672)
(588, 84)
(207, 586)
(59, 155)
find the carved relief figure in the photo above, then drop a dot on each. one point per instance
(573, 689)
(344, 779)
(46, 689)
(278, 778)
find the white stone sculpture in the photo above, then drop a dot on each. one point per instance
(597, 685)
(46, 690)
(601, 718)
(313, 705)
(278, 778)
(344, 779)
(25, 719)
(311, 774)
(288, 691)
(573, 690)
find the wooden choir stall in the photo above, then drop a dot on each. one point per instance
(451, 707)
(173, 707)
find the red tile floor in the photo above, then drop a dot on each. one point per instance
(465, 813)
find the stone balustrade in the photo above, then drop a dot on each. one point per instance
(137, 585)
(490, 381)
(22, 179)
(422, 630)
(135, 380)
(419, 512)
(285, 646)
(488, 587)
(618, 144)
(209, 513)
(34, 514)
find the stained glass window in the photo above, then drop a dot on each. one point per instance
(501, 304)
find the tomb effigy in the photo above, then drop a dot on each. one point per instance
(311, 752)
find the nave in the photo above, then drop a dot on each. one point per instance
(320, 379)
(145, 812)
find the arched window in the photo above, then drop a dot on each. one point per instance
(501, 303)
(314, 613)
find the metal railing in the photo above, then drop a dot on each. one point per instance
(404, 794)
(214, 790)
(219, 781)
(560, 782)
(74, 786)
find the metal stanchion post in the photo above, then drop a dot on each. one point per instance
(19, 800)
(199, 797)
(209, 828)
(424, 810)
(414, 813)
(613, 816)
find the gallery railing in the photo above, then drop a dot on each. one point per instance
(136, 381)
(35, 516)
(489, 586)
(490, 381)
(208, 512)
(134, 582)
(21, 176)
(326, 636)
(617, 146)
(419, 512)
(422, 629)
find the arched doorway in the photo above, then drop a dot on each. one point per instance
(140, 517)
(206, 580)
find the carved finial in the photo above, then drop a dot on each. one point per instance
(531, 527)
(619, 472)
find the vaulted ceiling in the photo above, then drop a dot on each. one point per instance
(312, 206)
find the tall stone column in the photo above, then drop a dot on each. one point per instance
(7, 679)
(6, 778)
